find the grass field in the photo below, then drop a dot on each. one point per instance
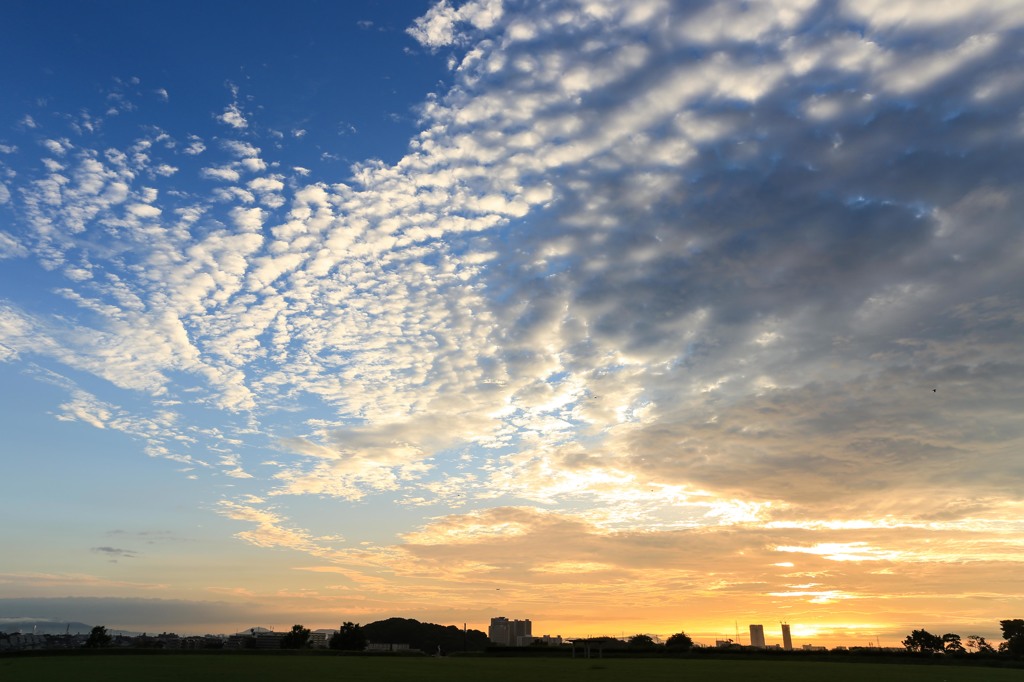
(255, 668)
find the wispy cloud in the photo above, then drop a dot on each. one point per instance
(116, 553)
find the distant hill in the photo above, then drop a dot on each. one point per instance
(253, 631)
(44, 627)
(426, 637)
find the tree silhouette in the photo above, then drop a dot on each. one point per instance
(980, 644)
(1013, 633)
(679, 642)
(298, 638)
(98, 638)
(923, 641)
(951, 643)
(1012, 628)
(349, 638)
(641, 642)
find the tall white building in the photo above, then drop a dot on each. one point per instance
(757, 636)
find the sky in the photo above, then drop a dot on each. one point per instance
(626, 318)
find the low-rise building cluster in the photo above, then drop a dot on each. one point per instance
(17, 641)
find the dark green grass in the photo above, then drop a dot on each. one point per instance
(259, 668)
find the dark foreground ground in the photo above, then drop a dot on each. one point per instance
(259, 668)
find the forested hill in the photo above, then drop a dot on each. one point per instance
(425, 636)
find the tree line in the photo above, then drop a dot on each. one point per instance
(922, 641)
(428, 637)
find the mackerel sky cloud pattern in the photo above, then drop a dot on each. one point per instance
(711, 306)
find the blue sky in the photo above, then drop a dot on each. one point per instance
(637, 317)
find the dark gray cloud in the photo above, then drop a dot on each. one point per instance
(846, 242)
(116, 552)
(130, 613)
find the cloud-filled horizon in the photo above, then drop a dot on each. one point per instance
(641, 316)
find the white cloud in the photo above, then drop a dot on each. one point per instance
(266, 185)
(906, 14)
(57, 147)
(143, 210)
(248, 220)
(233, 117)
(9, 246)
(437, 27)
(253, 164)
(916, 74)
(85, 408)
(195, 146)
(721, 22)
(240, 149)
(226, 173)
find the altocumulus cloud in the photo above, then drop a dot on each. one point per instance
(653, 268)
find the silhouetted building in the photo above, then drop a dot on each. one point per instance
(498, 631)
(507, 632)
(266, 640)
(321, 639)
(548, 640)
(757, 636)
(787, 639)
(255, 638)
